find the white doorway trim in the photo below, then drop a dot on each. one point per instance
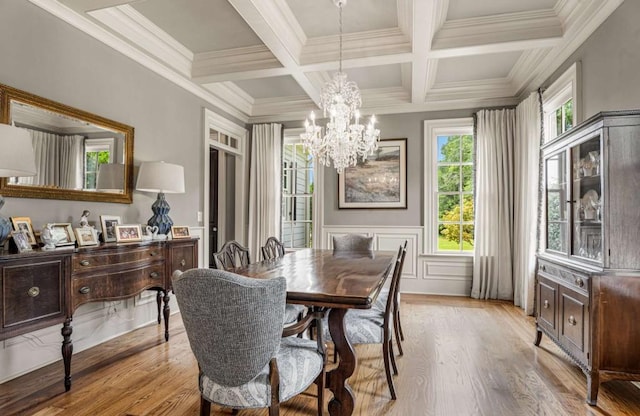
(213, 121)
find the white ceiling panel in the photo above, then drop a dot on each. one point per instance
(463, 9)
(200, 25)
(271, 87)
(476, 67)
(321, 17)
(382, 76)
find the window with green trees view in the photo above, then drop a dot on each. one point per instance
(96, 153)
(454, 192)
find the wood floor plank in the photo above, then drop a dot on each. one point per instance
(461, 357)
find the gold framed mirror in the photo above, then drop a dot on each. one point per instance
(79, 156)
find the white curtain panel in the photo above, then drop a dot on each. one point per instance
(492, 266)
(264, 186)
(59, 160)
(526, 169)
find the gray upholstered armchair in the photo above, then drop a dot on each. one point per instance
(234, 326)
(352, 242)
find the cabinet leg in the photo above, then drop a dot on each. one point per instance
(67, 351)
(593, 384)
(159, 302)
(536, 342)
(166, 311)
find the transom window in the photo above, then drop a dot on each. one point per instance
(560, 103)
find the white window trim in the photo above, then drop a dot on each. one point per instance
(291, 136)
(433, 128)
(566, 87)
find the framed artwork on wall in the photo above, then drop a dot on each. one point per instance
(380, 181)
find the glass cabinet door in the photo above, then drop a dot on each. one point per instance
(556, 196)
(587, 200)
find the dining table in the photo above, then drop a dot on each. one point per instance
(336, 281)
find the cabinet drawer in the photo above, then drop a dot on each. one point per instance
(182, 258)
(576, 280)
(119, 285)
(547, 304)
(90, 260)
(32, 292)
(574, 322)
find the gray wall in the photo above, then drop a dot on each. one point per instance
(45, 56)
(610, 60)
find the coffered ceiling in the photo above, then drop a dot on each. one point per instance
(266, 60)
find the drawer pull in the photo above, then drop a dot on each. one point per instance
(84, 290)
(84, 263)
(546, 304)
(572, 320)
(153, 253)
(579, 282)
(183, 262)
(543, 268)
(33, 291)
(154, 275)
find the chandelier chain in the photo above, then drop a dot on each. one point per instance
(340, 58)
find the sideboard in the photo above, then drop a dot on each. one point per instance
(43, 288)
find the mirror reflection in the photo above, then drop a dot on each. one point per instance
(78, 155)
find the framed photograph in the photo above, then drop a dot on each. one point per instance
(108, 223)
(24, 224)
(380, 181)
(86, 236)
(128, 232)
(180, 232)
(62, 234)
(21, 239)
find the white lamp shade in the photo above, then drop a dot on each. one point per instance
(110, 177)
(160, 177)
(16, 154)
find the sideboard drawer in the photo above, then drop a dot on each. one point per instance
(33, 294)
(121, 256)
(547, 304)
(119, 285)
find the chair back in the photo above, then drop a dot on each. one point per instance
(234, 323)
(272, 249)
(392, 302)
(352, 242)
(231, 255)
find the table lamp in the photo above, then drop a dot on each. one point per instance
(110, 177)
(163, 178)
(16, 159)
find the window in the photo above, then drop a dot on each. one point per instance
(297, 195)
(560, 103)
(96, 153)
(449, 203)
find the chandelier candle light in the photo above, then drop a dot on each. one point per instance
(345, 139)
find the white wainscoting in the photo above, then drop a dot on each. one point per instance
(438, 274)
(93, 323)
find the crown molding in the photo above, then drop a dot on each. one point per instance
(521, 74)
(97, 32)
(223, 65)
(492, 34)
(232, 94)
(480, 89)
(137, 29)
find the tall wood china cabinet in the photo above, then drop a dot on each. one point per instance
(588, 272)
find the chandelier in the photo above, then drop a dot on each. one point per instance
(345, 139)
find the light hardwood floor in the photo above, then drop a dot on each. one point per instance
(461, 357)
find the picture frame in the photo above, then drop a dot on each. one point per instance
(108, 224)
(128, 232)
(62, 234)
(380, 181)
(180, 232)
(24, 224)
(21, 240)
(86, 236)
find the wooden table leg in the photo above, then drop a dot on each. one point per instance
(343, 399)
(67, 352)
(166, 312)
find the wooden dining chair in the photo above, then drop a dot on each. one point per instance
(352, 242)
(245, 358)
(231, 255)
(372, 326)
(381, 302)
(272, 249)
